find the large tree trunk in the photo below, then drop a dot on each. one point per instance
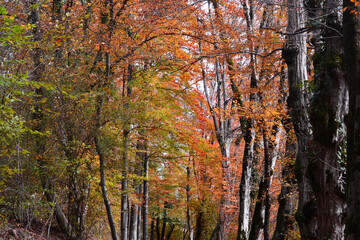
(294, 54)
(328, 109)
(352, 63)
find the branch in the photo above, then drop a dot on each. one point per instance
(241, 51)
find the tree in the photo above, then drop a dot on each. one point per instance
(294, 54)
(351, 54)
(329, 106)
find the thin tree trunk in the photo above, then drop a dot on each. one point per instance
(188, 213)
(100, 152)
(158, 236)
(245, 184)
(285, 223)
(163, 228)
(352, 63)
(260, 221)
(125, 162)
(145, 210)
(168, 236)
(102, 177)
(39, 123)
(124, 188)
(246, 176)
(152, 230)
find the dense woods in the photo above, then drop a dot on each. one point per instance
(182, 119)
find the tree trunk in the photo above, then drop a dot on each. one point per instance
(125, 161)
(124, 188)
(101, 155)
(285, 223)
(152, 230)
(133, 221)
(328, 109)
(260, 221)
(39, 123)
(248, 157)
(170, 232)
(145, 210)
(199, 225)
(294, 54)
(352, 63)
(102, 176)
(188, 212)
(158, 236)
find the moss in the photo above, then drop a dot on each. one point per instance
(323, 117)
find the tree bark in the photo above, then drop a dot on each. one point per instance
(133, 221)
(145, 210)
(199, 225)
(246, 176)
(294, 54)
(352, 63)
(329, 105)
(285, 223)
(260, 221)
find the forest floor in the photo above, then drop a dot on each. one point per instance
(12, 230)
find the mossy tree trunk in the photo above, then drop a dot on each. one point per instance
(329, 105)
(352, 63)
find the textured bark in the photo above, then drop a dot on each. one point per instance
(257, 223)
(260, 221)
(245, 185)
(247, 161)
(270, 149)
(134, 211)
(285, 223)
(294, 54)
(329, 105)
(352, 63)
